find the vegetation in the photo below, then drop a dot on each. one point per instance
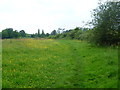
(47, 63)
(77, 33)
(106, 26)
(106, 22)
(9, 33)
(75, 58)
(105, 31)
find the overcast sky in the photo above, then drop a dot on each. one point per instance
(31, 15)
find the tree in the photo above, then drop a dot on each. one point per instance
(106, 23)
(58, 31)
(77, 28)
(22, 33)
(38, 32)
(43, 34)
(54, 32)
(47, 34)
(10, 32)
(15, 34)
(7, 33)
(33, 35)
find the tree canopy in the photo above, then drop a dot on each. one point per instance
(105, 31)
(106, 23)
(9, 33)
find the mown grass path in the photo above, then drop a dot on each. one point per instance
(47, 63)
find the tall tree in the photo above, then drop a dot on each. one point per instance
(7, 33)
(43, 34)
(10, 32)
(47, 34)
(22, 33)
(54, 32)
(38, 32)
(106, 23)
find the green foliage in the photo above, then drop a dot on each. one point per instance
(106, 19)
(77, 33)
(106, 22)
(54, 32)
(87, 36)
(71, 34)
(43, 34)
(47, 63)
(47, 34)
(38, 33)
(106, 26)
(16, 34)
(5, 34)
(9, 33)
(105, 31)
(22, 33)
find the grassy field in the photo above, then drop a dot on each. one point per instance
(47, 63)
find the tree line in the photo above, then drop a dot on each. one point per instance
(105, 31)
(106, 26)
(10, 33)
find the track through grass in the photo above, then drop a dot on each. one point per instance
(47, 63)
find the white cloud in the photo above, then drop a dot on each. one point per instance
(44, 14)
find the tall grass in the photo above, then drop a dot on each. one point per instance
(47, 63)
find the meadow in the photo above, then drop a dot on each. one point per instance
(48, 63)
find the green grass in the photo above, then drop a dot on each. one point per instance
(47, 63)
